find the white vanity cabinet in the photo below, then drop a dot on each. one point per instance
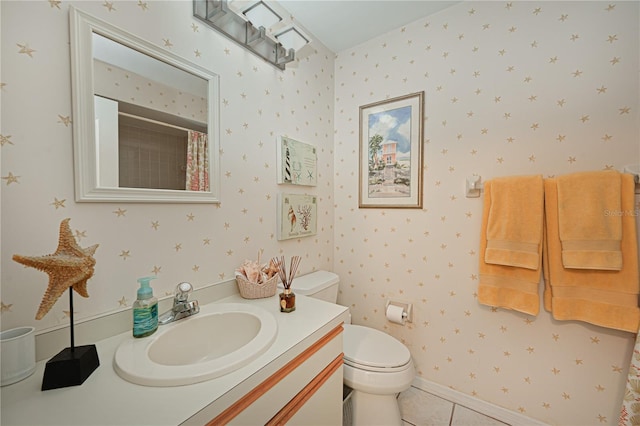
(297, 381)
(303, 387)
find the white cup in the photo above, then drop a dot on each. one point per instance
(17, 354)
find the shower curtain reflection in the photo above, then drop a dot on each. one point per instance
(197, 162)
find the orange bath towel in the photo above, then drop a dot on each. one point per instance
(506, 286)
(589, 228)
(602, 297)
(514, 227)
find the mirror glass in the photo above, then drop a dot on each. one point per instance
(145, 120)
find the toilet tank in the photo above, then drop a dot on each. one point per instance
(320, 285)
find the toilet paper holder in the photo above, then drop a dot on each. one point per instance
(407, 309)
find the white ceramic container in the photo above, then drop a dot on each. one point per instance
(17, 354)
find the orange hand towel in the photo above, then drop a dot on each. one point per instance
(506, 286)
(601, 297)
(589, 221)
(514, 227)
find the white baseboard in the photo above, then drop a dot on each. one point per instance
(484, 407)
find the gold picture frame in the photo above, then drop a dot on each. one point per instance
(391, 159)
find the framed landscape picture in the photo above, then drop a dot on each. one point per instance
(391, 138)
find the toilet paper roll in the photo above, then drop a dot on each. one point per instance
(394, 314)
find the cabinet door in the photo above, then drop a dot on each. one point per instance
(324, 407)
(278, 397)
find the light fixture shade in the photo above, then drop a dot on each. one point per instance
(291, 38)
(247, 28)
(261, 15)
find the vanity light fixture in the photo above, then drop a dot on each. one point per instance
(261, 15)
(249, 29)
(291, 38)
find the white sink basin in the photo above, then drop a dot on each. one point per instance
(222, 338)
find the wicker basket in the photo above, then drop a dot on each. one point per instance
(250, 290)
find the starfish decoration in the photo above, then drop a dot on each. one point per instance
(7, 139)
(25, 49)
(70, 266)
(11, 178)
(5, 307)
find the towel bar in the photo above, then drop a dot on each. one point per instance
(634, 169)
(474, 186)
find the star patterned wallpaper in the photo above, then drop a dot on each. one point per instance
(115, 83)
(202, 244)
(511, 88)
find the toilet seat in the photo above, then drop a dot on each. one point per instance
(375, 363)
(373, 350)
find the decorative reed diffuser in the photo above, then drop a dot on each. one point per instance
(287, 297)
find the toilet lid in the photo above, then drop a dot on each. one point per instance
(370, 347)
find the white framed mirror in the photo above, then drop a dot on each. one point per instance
(145, 121)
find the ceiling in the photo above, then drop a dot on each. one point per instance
(343, 24)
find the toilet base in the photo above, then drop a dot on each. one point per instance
(374, 410)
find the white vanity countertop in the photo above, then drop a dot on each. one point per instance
(106, 399)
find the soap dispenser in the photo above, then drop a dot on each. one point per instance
(145, 310)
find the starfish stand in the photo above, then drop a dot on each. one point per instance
(72, 365)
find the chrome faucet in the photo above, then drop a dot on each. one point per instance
(182, 306)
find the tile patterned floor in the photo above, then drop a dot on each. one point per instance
(420, 408)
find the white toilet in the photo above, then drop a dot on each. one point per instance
(376, 365)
